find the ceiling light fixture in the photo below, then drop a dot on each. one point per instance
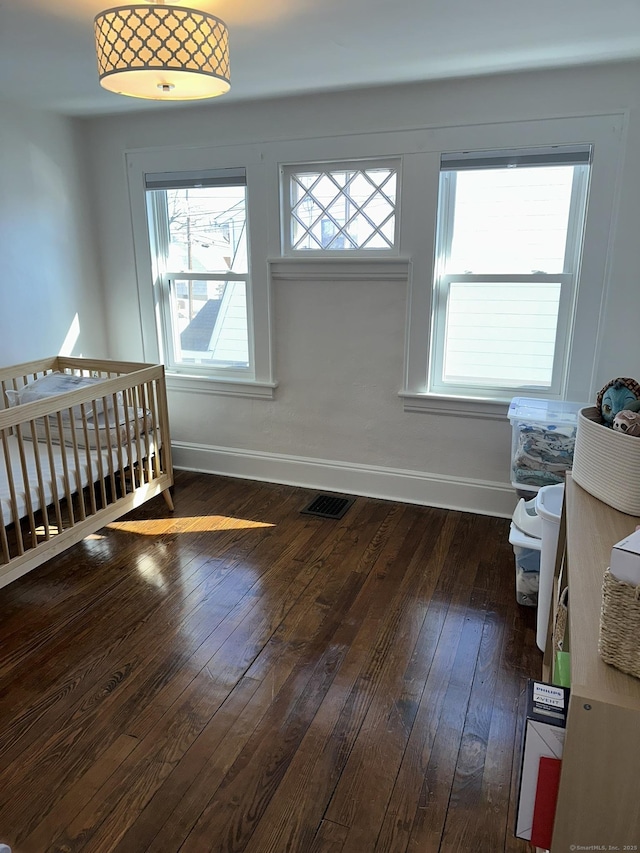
(162, 52)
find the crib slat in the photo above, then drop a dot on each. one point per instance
(4, 542)
(52, 474)
(76, 466)
(124, 458)
(101, 475)
(65, 472)
(138, 434)
(153, 427)
(120, 451)
(131, 437)
(110, 444)
(133, 442)
(90, 469)
(27, 486)
(12, 492)
(164, 446)
(89, 463)
(145, 434)
(41, 488)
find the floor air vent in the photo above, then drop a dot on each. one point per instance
(328, 506)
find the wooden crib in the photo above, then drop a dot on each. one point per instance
(72, 462)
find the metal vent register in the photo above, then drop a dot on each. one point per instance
(328, 506)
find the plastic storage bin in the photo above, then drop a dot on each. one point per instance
(526, 550)
(543, 435)
(549, 507)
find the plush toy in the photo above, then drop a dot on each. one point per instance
(627, 422)
(616, 396)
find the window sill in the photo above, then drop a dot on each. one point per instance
(467, 407)
(222, 387)
(344, 268)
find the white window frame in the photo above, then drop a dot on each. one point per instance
(257, 380)
(287, 171)
(422, 169)
(568, 279)
(166, 278)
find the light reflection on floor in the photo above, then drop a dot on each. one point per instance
(150, 571)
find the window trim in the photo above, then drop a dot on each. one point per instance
(258, 382)
(286, 170)
(451, 164)
(163, 278)
(605, 133)
(442, 404)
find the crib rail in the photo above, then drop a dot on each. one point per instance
(71, 463)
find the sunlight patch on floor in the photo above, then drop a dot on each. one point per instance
(190, 524)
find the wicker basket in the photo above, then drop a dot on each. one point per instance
(606, 463)
(619, 642)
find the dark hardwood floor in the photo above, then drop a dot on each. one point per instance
(237, 676)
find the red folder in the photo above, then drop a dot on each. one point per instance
(544, 809)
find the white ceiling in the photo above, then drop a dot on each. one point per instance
(281, 47)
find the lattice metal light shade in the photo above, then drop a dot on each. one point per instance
(162, 52)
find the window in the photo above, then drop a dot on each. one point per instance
(198, 231)
(340, 207)
(508, 248)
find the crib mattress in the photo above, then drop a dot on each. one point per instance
(88, 471)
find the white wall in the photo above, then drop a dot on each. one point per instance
(336, 421)
(50, 298)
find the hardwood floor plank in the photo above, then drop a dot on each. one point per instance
(203, 754)
(327, 585)
(233, 813)
(43, 696)
(236, 677)
(311, 778)
(216, 806)
(79, 795)
(103, 822)
(120, 691)
(379, 747)
(440, 741)
(330, 838)
(279, 688)
(461, 830)
(290, 819)
(344, 598)
(165, 609)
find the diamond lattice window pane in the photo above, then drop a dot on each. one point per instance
(378, 241)
(379, 210)
(343, 209)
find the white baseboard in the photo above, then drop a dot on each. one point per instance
(417, 487)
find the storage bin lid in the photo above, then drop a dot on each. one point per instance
(526, 518)
(521, 540)
(557, 412)
(549, 502)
